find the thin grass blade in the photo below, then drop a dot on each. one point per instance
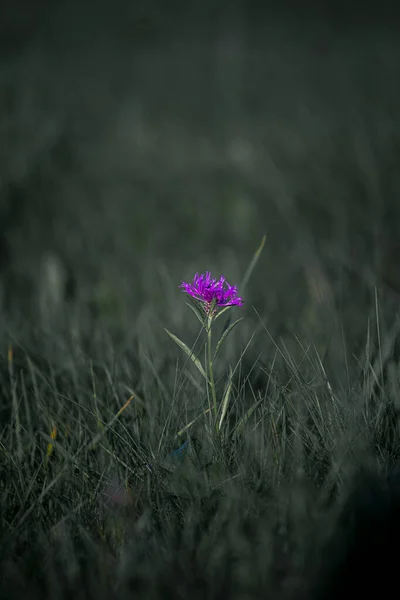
(189, 353)
(221, 312)
(225, 335)
(247, 275)
(252, 264)
(185, 429)
(237, 430)
(225, 400)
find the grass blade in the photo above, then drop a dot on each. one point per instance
(225, 400)
(247, 275)
(221, 312)
(189, 353)
(225, 335)
(251, 266)
(242, 422)
(182, 431)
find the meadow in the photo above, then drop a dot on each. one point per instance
(126, 167)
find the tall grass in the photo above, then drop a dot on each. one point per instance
(89, 496)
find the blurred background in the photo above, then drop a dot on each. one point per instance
(140, 143)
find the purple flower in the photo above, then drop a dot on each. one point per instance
(208, 290)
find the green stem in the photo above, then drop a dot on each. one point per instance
(210, 369)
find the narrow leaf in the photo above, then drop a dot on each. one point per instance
(225, 335)
(182, 431)
(222, 312)
(225, 400)
(194, 306)
(189, 353)
(242, 422)
(99, 435)
(246, 277)
(252, 264)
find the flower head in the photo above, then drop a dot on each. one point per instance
(208, 290)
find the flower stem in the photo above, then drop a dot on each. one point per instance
(210, 367)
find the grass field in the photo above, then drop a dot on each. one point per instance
(126, 169)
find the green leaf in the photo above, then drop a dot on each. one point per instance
(222, 312)
(189, 352)
(225, 335)
(196, 311)
(182, 431)
(237, 430)
(225, 399)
